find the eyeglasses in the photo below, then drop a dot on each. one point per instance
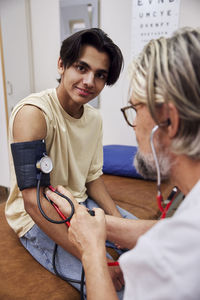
(129, 113)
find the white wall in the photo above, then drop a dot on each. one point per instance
(46, 42)
(16, 50)
(117, 25)
(189, 13)
(115, 20)
(46, 46)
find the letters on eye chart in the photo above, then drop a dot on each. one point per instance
(152, 19)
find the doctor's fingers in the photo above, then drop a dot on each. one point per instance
(82, 212)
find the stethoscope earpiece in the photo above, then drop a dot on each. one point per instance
(168, 122)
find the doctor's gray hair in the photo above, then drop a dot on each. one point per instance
(168, 70)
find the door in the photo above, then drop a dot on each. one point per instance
(16, 49)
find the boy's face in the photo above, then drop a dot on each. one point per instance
(85, 79)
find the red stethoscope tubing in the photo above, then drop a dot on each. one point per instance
(56, 207)
(171, 198)
(60, 213)
(110, 264)
(159, 201)
(166, 209)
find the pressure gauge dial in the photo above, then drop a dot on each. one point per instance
(45, 164)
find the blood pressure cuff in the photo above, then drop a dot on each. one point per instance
(25, 156)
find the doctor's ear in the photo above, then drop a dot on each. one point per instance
(61, 67)
(173, 120)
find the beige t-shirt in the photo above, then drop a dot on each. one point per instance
(75, 148)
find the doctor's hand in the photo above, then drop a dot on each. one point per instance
(87, 233)
(62, 203)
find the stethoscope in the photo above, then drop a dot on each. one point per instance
(163, 205)
(44, 165)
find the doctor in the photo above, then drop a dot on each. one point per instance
(164, 258)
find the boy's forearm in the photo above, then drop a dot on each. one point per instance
(57, 232)
(97, 191)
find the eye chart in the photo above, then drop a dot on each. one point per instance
(152, 19)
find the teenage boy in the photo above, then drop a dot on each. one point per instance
(72, 131)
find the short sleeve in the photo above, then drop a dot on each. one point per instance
(96, 166)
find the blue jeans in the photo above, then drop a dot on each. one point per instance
(41, 248)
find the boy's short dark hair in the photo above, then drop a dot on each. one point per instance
(71, 47)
